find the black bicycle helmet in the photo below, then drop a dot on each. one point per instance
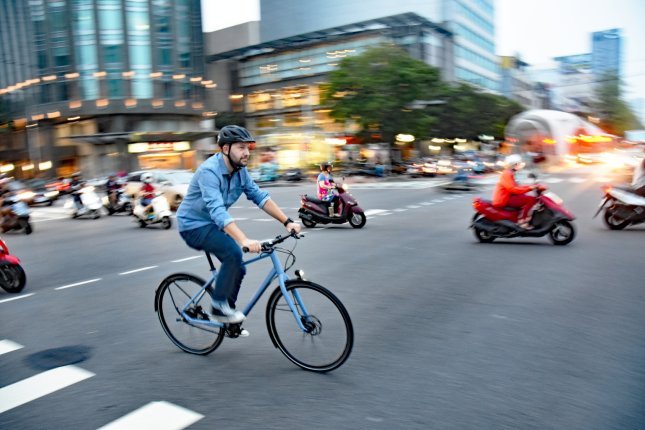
(233, 134)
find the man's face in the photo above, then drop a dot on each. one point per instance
(240, 152)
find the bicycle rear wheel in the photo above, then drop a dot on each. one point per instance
(172, 295)
(327, 342)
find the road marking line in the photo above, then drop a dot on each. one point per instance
(240, 219)
(7, 345)
(263, 219)
(16, 298)
(138, 270)
(78, 283)
(156, 415)
(400, 210)
(40, 385)
(437, 201)
(413, 207)
(371, 212)
(186, 259)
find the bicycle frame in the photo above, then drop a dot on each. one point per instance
(276, 271)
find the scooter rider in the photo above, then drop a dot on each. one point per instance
(638, 181)
(205, 224)
(147, 192)
(326, 187)
(508, 193)
(75, 187)
(112, 187)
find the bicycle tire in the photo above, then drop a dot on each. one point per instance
(173, 293)
(324, 308)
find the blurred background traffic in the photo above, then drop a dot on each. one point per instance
(416, 88)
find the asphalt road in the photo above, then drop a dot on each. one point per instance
(450, 333)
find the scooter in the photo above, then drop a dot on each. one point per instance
(549, 217)
(313, 211)
(12, 275)
(625, 207)
(123, 203)
(460, 182)
(160, 213)
(90, 203)
(18, 218)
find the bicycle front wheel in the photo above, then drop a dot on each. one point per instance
(328, 338)
(172, 295)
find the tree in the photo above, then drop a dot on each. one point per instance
(469, 113)
(377, 89)
(614, 113)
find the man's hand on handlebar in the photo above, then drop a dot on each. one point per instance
(250, 245)
(293, 226)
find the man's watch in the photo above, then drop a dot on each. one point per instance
(287, 221)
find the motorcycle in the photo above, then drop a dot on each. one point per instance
(625, 207)
(90, 203)
(548, 217)
(17, 218)
(313, 211)
(121, 205)
(160, 213)
(12, 275)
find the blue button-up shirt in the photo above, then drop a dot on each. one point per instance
(212, 191)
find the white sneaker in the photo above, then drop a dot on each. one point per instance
(222, 312)
(244, 333)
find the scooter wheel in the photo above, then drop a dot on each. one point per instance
(166, 223)
(562, 233)
(357, 220)
(307, 223)
(483, 236)
(12, 278)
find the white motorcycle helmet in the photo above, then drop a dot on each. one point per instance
(514, 161)
(147, 178)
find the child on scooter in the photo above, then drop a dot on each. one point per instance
(326, 187)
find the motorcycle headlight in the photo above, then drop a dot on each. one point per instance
(345, 187)
(51, 194)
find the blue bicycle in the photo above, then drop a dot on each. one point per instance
(306, 321)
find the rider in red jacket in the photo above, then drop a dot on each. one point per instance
(509, 193)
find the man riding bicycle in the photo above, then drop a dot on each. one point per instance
(205, 224)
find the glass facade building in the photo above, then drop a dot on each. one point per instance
(278, 84)
(95, 68)
(471, 21)
(606, 52)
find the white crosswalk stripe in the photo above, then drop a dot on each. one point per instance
(40, 385)
(7, 345)
(156, 415)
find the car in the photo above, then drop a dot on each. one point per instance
(172, 183)
(33, 192)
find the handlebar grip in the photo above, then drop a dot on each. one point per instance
(245, 249)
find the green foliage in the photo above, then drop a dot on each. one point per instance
(230, 118)
(614, 113)
(377, 90)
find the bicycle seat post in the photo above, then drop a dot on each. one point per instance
(210, 260)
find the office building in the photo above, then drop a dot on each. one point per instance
(100, 85)
(606, 52)
(471, 21)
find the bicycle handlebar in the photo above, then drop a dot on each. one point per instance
(268, 246)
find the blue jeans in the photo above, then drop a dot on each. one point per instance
(231, 272)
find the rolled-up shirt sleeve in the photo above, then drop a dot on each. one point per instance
(209, 185)
(252, 191)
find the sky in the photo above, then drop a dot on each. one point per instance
(537, 30)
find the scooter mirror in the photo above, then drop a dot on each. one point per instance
(532, 175)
